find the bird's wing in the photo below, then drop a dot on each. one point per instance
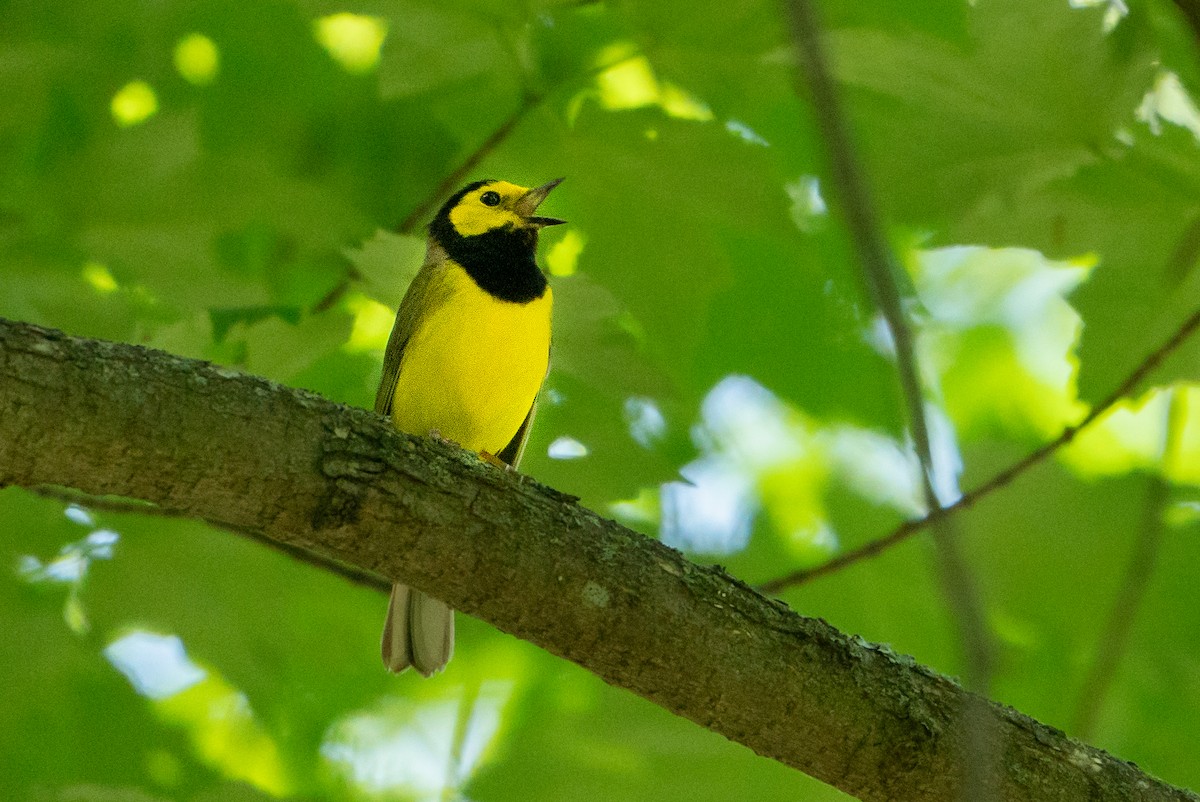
(515, 449)
(511, 454)
(424, 295)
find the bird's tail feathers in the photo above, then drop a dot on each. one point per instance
(419, 632)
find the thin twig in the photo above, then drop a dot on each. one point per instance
(334, 295)
(447, 185)
(452, 180)
(879, 267)
(529, 101)
(1113, 642)
(909, 528)
(1191, 13)
(124, 506)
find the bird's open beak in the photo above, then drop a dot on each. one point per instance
(527, 204)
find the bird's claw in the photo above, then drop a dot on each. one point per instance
(437, 435)
(492, 459)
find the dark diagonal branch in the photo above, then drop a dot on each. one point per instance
(1115, 637)
(249, 455)
(530, 100)
(1191, 14)
(879, 268)
(1002, 479)
(447, 185)
(458, 175)
(126, 506)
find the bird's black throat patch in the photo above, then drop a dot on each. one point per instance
(500, 261)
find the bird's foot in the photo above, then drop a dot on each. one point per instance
(436, 435)
(492, 459)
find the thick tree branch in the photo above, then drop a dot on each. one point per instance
(245, 453)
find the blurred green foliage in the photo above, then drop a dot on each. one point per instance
(232, 181)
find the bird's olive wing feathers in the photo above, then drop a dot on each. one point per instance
(511, 454)
(424, 295)
(515, 449)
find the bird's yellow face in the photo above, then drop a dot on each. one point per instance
(499, 205)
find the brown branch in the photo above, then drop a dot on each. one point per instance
(529, 101)
(878, 263)
(1112, 643)
(244, 453)
(128, 506)
(335, 294)
(909, 528)
(1190, 9)
(448, 184)
(456, 177)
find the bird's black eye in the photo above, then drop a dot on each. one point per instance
(490, 198)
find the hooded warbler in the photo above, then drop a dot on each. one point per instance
(465, 361)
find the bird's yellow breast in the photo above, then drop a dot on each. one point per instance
(473, 366)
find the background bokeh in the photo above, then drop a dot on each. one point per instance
(247, 183)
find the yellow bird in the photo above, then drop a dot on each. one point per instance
(465, 361)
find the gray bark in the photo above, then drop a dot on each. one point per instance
(247, 454)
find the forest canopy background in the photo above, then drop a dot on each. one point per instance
(247, 184)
